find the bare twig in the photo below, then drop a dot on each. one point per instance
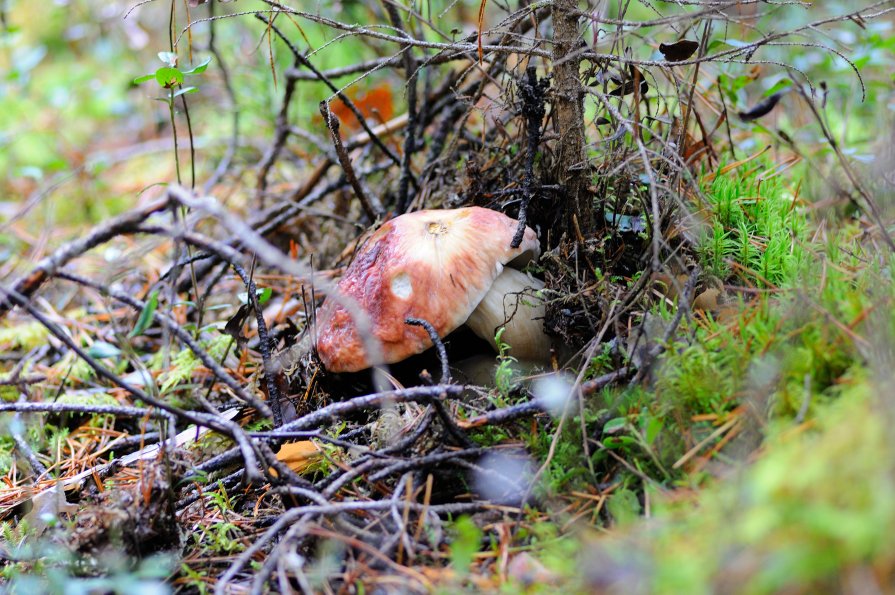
(373, 210)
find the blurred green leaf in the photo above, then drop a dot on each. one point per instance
(145, 316)
(465, 544)
(186, 90)
(200, 68)
(615, 425)
(624, 506)
(103, 350)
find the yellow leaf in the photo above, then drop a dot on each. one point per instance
(299, 455)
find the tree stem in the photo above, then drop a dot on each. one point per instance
(568, 113)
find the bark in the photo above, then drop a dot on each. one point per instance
(568, 114)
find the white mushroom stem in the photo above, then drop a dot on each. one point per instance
(512, 303)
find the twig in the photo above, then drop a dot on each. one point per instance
(292, 516)
(86, 409)
(427, 461)
(505, 414)
(373, 211)
(439, 346)
(595, 384)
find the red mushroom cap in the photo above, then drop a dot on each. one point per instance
(436, 265)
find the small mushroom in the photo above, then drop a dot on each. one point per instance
(437, 265)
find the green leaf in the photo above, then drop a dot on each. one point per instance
(624, 506)
(168, 77)
(465, 545)
(614, 425)
(618, 443)
(261, 294)
(653, 427)
(186, 90)
(144, 78)
(103, 350)
(199, 69)
(778, 86)
(145, 316)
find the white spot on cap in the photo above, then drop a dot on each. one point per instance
(401, 286)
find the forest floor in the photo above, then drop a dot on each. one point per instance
(715, 424)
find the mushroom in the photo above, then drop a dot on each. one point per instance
(445, 267)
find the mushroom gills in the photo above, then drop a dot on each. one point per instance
(512, 303)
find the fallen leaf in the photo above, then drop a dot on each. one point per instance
(299, 455)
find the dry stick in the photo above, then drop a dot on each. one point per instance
(222, 426)
(595, 384)
(417, 394)
(332, 123)
(86, 409)
(163, 319)
(506, 414)
(46, 268)
(22, 380)
(293, 515)
(425, 461)
(449, 423)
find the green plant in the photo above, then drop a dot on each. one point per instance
(171, 79)
(505, 373)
